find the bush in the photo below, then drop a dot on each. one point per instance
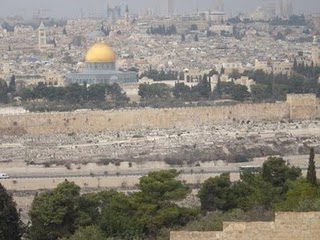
(173, 161)
(105, 162)
(46, 164)
(68, 166)
(240, 159)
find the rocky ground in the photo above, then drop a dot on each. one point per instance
(210, 143)
(198, 150)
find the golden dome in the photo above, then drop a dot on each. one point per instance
(100, 53)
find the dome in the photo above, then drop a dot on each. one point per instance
(100, 53)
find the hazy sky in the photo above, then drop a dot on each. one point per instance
(65, 8)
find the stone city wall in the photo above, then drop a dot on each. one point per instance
(303, 106)
(117, 182)
(97, 121)
(287, 226)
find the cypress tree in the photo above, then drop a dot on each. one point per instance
(9, 217)
(312, 175)
(4, 90)
(12, 84)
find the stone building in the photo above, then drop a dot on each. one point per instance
(100, 67)
(315, 52)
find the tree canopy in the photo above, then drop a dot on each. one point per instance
(64, 213)
(10, 227)
(54, 214)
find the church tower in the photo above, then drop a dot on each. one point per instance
(42, 37)
(315, 52)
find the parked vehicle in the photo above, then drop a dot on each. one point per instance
(4, 176)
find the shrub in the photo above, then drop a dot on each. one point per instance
(46, 164)
(240, 158)
(68, 166)
(173, 161)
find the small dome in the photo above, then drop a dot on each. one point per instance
(100, 53)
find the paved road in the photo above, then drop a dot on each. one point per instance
(184, 171)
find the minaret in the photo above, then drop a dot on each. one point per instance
(42, 37)
(126, 14)
(315, 52)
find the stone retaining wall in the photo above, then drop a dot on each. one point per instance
(287, 226)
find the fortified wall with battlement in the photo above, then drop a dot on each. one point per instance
(297, 107)
(287, 226)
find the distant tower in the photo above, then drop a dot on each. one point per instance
(166, 7)
(270, 8)
(126, 14)
(284, 8)
(315, 52)
(42, 37)
(113, 11)
(287, 8)
(171, 7)
(218, 6)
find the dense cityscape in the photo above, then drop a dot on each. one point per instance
(171, 122)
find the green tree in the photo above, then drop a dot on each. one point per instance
(12, 84)
(240, 92)
(154, 202)
(277, 172)
(183, 38)
(218, 89)
(119, 220)
(97, 92)
(260, 92)
(89, 205)
(9, 217)
(162, 186)
(234, 91)
(280, 36)
(64, 31)
(87, 233)
(279, 91)
(26, 94)
(235, 74)
(74, 93)
(40, 91)
(154, 91)
(53, 214)
(312, 174)
(181, 91)
(301, 196)
(117, 94)
(215, 194)
(4, 92)
(254, 192)
(203, 89)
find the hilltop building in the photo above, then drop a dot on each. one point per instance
(100, 67)
(315, 52)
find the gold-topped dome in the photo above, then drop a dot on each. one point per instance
(100, 53)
